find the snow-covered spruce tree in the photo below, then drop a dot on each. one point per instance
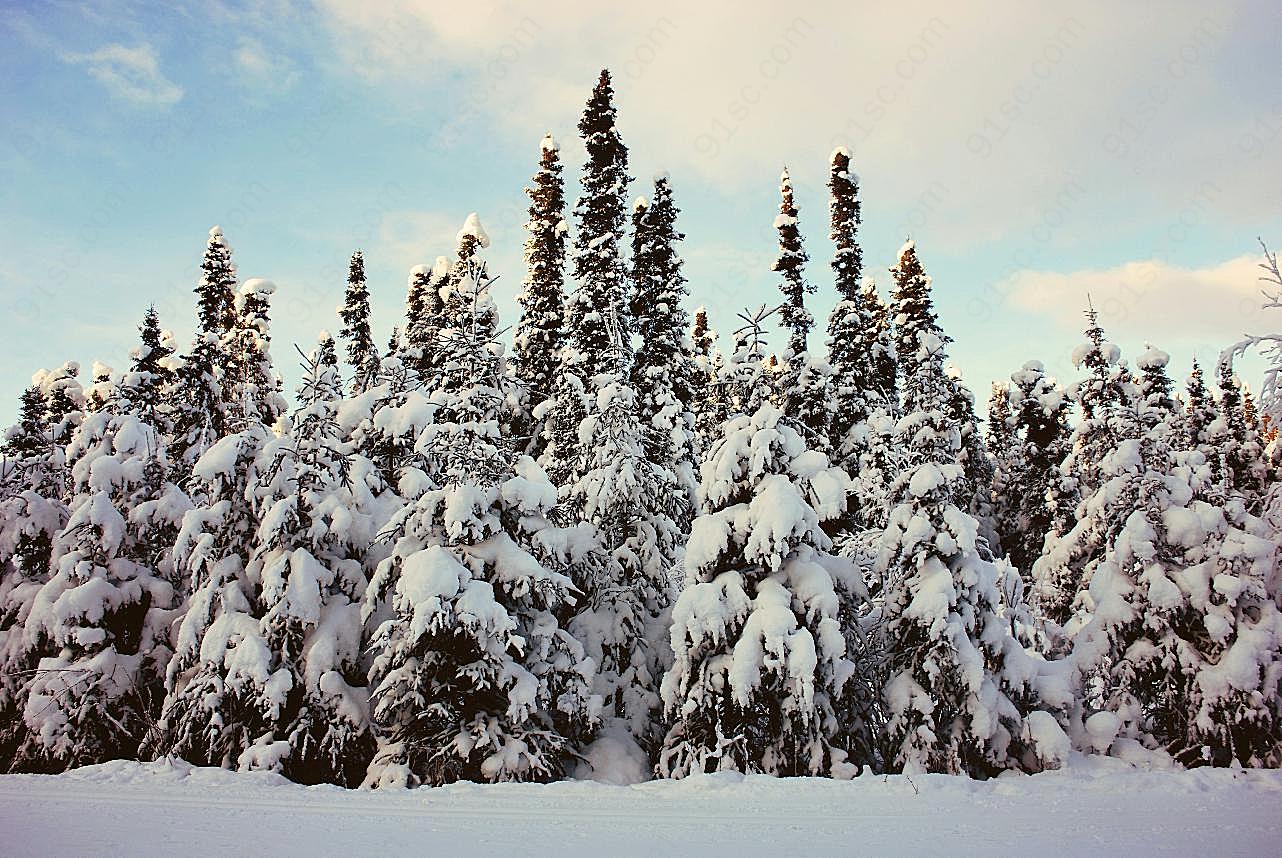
(467, 268)
(913, 313)
(601, 212)
(145, 385)
(362, 354)
(101, 621)
(540, 332)
(977, 465)
(201, 417)
(1007, 458)
(224, 690)
(1200, 412)
(802, 382)
(1240, 467)
(1105, 400)
(1221, 703)
(474, 678)
(32, 513)
(65, 399)
(627, 497)
(424, 318)
(102, 390)
(252, 387)
(854, 395)
(707, 393)
(959, 683)
(1156, 390)
(663, 368)
(1164, 645)
(313, 528)
(761, 674)
(1032, 494)
(384, 422)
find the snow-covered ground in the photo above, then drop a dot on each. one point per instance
(1096, 807)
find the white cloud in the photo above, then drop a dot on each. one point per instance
(132, 74)
(262, 68)
(1148, 299)
(925, 94)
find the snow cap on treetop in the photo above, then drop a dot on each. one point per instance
(215, 231)
(661, 176)
(1152, 358)
(640, 203)
(472, 226)
(441, 267)
(840, 150)
(549, 144)
(1034, 366)
(419, 270)
(258, 286)
(908, 245)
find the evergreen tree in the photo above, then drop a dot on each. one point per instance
(101, 621)
(102, 391)
(761, 670)
(474, 677)
(1155, 386)
(790, 264)
(252, 387)
(802, 381)
(1199, 414)
(151, 374)
(1241, 468)
(201, 417)
(1105, 400)
(663, 370)
(224, 688)
(589, 358)
(1031, 494)
(424, 317)
(362, 354)
(855, 393)
(32, 514)
(959, 683)
(708, 395)
(314, 528)
(914, 315)
(541, 329)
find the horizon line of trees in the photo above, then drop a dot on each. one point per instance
(629, 548)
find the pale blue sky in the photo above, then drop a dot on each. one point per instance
(1033, 154)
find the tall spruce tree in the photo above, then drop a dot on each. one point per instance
(802, 380)
(589, 358)
(854, 394)
(541, 330)
(202, 413)
(662, 368)
(362, 354)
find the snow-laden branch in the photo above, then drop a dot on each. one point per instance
(1268, 345)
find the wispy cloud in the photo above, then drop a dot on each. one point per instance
(1145, 298)
(262, 68)
(132, 74)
